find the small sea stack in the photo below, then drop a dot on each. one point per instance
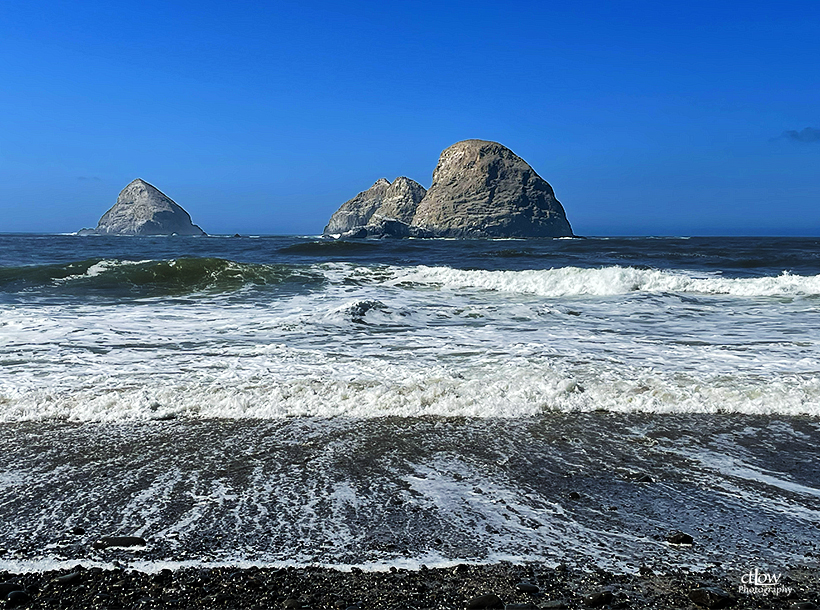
(142, 209)
(384, 209)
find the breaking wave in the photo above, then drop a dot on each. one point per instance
(149, 278)
(183, 276)
(610, 281)
(394, 390)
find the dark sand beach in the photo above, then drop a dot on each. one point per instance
(620, 511)
(505, 585)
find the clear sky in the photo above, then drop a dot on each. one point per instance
(685, 118)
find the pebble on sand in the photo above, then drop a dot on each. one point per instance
(9, 586)
(15, 598)
(526, 587)
(68, 579)
(677, 537)
(489, 600)
(119, 541)
(601, 598)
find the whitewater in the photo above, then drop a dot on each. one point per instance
(397, 402)
(331, 339)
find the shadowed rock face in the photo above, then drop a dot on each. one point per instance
(483, 189)
(358, 211)
(142, 209)
(480, 189)
(383, 209)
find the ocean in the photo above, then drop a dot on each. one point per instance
(278, 401)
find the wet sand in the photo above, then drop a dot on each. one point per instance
(600, 494)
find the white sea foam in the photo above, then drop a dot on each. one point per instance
(376, 341)
(100, 268)
(609, 281)
(279, 382)
(430, 560)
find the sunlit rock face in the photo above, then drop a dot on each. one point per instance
(142, 209)
(384, 209)
(480, 189)
(483, 189)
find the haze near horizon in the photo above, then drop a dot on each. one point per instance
(259, 118)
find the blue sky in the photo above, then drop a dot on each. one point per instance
(659, 118)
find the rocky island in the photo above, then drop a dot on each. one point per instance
(479, 189)
(383, 209)
(143, 209)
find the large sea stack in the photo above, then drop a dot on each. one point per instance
(483, 189)
(480, 189)
(143, 209)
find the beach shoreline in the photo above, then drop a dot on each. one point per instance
(500, 585)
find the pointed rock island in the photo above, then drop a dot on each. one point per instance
(480, 189)
(142, 209)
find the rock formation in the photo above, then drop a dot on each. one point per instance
(383, 209)
(483, 189)
(142, 209)
(480, 189)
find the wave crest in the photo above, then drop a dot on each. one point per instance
(149, 278)
(610, 281)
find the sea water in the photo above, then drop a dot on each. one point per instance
(308, 400)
